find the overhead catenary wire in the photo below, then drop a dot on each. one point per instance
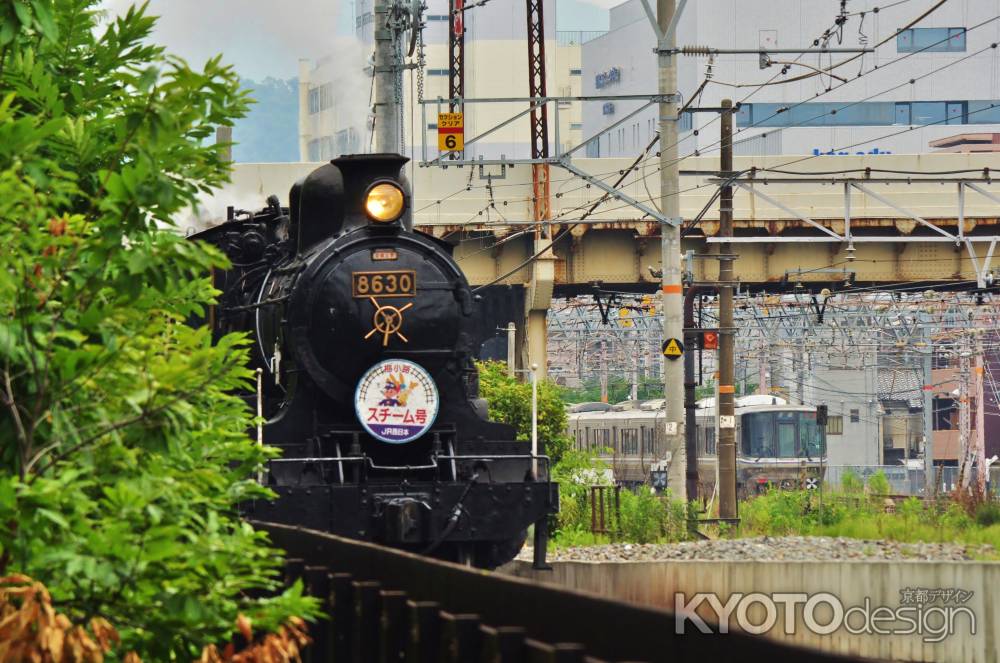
(639, 160)
(569, 212)
(813, 74)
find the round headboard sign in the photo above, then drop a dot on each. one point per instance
(396, 401)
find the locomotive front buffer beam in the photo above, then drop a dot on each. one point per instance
(418, 515)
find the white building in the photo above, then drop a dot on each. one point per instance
(873, 111)
(496, 65)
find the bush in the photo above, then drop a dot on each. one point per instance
(988, 514)
(123, 449)
(643, 516)
(878, 484)
(851, 482)
(509, 401)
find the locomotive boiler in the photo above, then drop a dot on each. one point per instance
(362, 332)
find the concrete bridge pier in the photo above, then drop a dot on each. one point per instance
(538, 298)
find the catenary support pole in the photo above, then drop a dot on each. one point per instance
(511, 349)
(727, 339)
(386, 107)
(671, 288)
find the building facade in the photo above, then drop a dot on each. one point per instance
(819, 114)
(496, 65)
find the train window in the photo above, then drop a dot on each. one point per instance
(630, 442)
(758, 434)
(647, 441)
(710, 441)
(811, 438)
(786, 438)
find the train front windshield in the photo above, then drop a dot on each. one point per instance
(782, 435)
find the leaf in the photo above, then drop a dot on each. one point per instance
(44, 20)
(23, 13)
(53, 517)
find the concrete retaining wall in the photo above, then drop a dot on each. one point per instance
(882, 583)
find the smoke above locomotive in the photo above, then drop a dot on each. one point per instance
(363, 332)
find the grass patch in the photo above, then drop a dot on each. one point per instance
(857, 516)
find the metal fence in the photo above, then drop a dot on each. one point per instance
(387, 605)
(908, 481)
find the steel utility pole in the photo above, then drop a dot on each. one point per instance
(670, 207)
(930, 481)
(981, 470)
(964, 420)
(387, 88)
(726, 404)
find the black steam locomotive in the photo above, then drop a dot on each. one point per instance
(362, 333)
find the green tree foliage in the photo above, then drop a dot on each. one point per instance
(122, 453)
(510, 402)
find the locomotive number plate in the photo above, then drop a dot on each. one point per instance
(400, 283)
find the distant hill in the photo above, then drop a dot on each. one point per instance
(269, 133)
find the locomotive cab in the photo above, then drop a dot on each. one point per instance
(364, 332)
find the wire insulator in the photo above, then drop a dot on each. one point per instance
(696, 50)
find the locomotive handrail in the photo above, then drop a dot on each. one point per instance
(483, 457)
(331, 459)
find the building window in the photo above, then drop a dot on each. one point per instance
(437, 17)
(855, 416)
(432, 125)
(437, 72)
(575, 126)
(313, 101)
(931, 40)
(945, 414)
(326, 96)
(576, 72)
(870, 113)
(835, 424)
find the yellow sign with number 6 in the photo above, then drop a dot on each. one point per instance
(451, 132)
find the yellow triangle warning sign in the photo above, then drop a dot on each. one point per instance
(672, 348)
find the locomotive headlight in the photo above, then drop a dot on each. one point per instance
(384, 202)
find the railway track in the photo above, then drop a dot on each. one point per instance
(385, 605)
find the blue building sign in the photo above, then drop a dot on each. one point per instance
(606, 78)
(817, 152)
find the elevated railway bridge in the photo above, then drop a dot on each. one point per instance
(813, 222)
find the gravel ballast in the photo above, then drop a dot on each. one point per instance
(785, 548)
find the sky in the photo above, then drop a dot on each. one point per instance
(267, 37)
